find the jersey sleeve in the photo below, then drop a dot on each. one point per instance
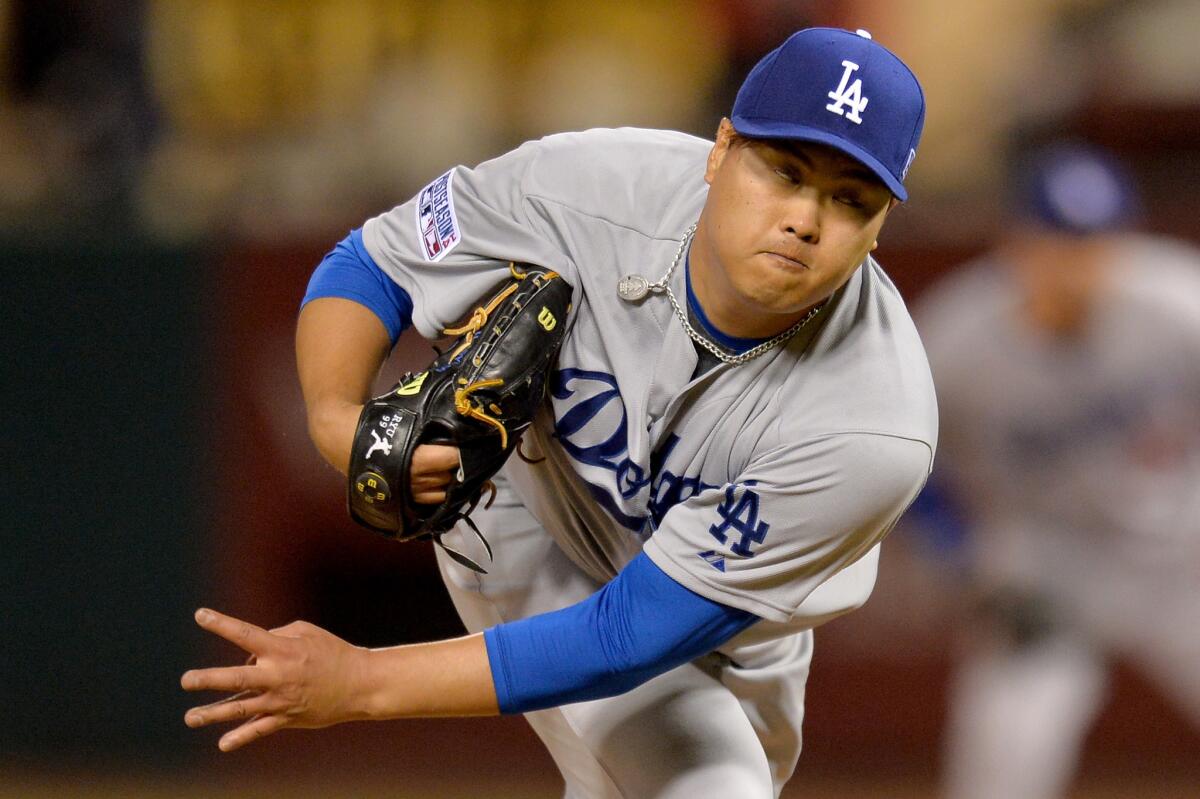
(795, 517)
(348, 272)
(450, 245)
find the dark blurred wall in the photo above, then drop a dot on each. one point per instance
(103, 528)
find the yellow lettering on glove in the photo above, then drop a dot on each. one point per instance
(412, 387)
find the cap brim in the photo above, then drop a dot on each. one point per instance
(789, 132)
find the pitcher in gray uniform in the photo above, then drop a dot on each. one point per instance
(740, 412)
(1067, 362)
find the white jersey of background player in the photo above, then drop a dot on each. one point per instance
(761, 484)
(1068, 371)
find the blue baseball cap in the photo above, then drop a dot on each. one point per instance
(838, 88)
(1075, 188)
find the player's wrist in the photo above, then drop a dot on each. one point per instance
(370, 699)
(390, 685)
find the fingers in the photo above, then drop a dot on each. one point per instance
(428, 496)
(432, 480)
(229, 678)
(435, 483)
(293, 628)
(251, 731)
(434, 458)
(253, 639)
(244, 706)
(262, 710)
(433, 468)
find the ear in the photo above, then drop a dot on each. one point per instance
(719, 149)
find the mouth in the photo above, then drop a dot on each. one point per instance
(786, 260)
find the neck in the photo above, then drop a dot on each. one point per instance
(715, 334)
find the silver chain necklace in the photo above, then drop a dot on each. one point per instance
(634, 287)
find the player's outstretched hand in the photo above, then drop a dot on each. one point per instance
(298, 675)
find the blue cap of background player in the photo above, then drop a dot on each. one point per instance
(841, 89)
(1075, 188)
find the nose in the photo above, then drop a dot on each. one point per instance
(802, 216)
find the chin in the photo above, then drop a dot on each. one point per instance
(780, 293)
(774, 304)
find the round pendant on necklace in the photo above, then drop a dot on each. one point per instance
(632, 288)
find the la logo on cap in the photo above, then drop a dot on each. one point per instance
(810, 89)
(850, 94)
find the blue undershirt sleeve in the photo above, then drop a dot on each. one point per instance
(941, 521)
(638, 626)
(349, 272)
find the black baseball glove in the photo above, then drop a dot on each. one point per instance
(479, 396)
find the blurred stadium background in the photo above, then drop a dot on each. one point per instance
(171, 171)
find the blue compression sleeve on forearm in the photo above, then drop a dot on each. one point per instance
(349, 272)
(640, 625)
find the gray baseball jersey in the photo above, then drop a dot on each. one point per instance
(750, 484)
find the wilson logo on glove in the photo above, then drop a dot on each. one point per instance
(413, 386)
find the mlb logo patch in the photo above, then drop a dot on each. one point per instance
(437, 225)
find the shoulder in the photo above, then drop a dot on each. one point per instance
(1158, 274)
(568, 163)
(623, 175)
(607, 147)
(866, 370)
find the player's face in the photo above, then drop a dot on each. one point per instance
(784, 226)
(1061, 277)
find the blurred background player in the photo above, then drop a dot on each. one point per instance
(1067, 366)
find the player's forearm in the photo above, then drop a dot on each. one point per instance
(607, 644)
(441, 678)
(340, 346)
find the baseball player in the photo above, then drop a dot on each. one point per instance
(739, 413)
(1068, 371)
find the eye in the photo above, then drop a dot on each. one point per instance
(850, 200)
(786, 176)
